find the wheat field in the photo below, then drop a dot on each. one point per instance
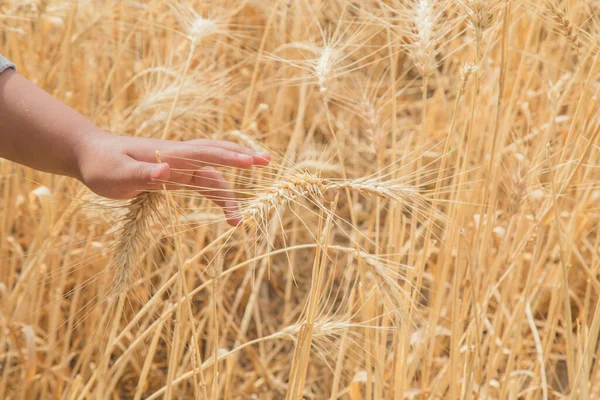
(427, 228)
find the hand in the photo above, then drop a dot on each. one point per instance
(120, 167)
(41, 132)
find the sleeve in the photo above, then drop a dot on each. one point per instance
(5, 64)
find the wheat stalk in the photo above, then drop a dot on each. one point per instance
(447, 269)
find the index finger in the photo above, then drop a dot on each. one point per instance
(260, 158)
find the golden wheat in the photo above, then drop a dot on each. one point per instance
(427, 228)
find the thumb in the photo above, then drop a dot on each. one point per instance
(143, 175)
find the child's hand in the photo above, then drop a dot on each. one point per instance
(121, 167)
(39, 131)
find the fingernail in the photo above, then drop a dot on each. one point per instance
(264, 154)
(244, 157)
(155, 174)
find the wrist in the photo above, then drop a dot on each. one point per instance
(85, 150)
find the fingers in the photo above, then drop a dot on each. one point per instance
(196, 153)
(185, 156)
(138, 176)
(260, 158)
(221, 157)
(214, 187)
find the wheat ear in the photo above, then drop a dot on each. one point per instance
(283, 192)
(564, 25)
(141, 208)
(305, 185)
(135, 225)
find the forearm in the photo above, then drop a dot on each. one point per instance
(38, 130)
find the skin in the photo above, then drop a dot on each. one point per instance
(41, 132)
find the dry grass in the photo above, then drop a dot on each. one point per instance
(428, 227)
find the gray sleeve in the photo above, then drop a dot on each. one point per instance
(5, 64)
